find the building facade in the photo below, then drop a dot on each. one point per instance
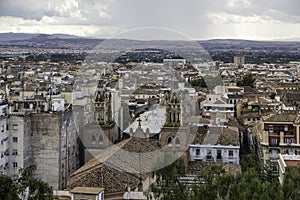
(277, 134)
(33, 135)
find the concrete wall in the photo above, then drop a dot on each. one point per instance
(45, 144)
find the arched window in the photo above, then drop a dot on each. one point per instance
(170, 140)
(100, 139)
(93, 139)
(177, 142)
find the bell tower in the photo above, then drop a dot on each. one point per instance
(102, 106)
(173, 111)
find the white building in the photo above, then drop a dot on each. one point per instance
(218, 144)
(216, 107)
(214, 153)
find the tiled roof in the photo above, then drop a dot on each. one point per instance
(105, 171)
(212, 135)
(106, 177)
(201, 133)
(228, 137)
(282, 118)
(141, 145)
(217, 135)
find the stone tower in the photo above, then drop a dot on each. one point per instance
(102, 106)
(173, 110)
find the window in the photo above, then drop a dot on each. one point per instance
(289, 140)
(15, 139)
(208, 156)
(15, 164)
(291, 151)
(274, 154)
(100, 139)
(219, 154)
(14, 152)
(230, 153)
(15, 127)
(273, 141)
(274, 168)
(270, 128)
(177, 142)
(197, 152)
(169, 141)
(93, 139)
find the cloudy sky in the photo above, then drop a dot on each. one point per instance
(196, 19)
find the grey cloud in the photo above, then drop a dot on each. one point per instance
(193, 17)
(28, 9)
(135, 13)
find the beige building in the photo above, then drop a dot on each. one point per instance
(239, 60)
(277, 134)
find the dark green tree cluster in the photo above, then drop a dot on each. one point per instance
(272, 95)
(247, 80)
(8, 189)
(207, 81)
(168, 186)
(18, 189)
(254, 182)
(199, 83)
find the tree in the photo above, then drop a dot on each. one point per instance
(247, 80)
(291, 183)
(8, 189)
(37, 188)
(215, 184)
(199, 82)
(168, 186)
(248, 185)
(272, 95)
(254, 182)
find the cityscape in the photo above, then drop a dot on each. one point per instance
(148, 112)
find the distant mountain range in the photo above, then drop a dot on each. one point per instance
(71, 41)
(25, 36)
(47, 40)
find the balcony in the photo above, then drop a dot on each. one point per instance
(274, 144)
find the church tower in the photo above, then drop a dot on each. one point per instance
(173, 111)
(102, 106)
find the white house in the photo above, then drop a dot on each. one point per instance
(214, 153)
(218, 144)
